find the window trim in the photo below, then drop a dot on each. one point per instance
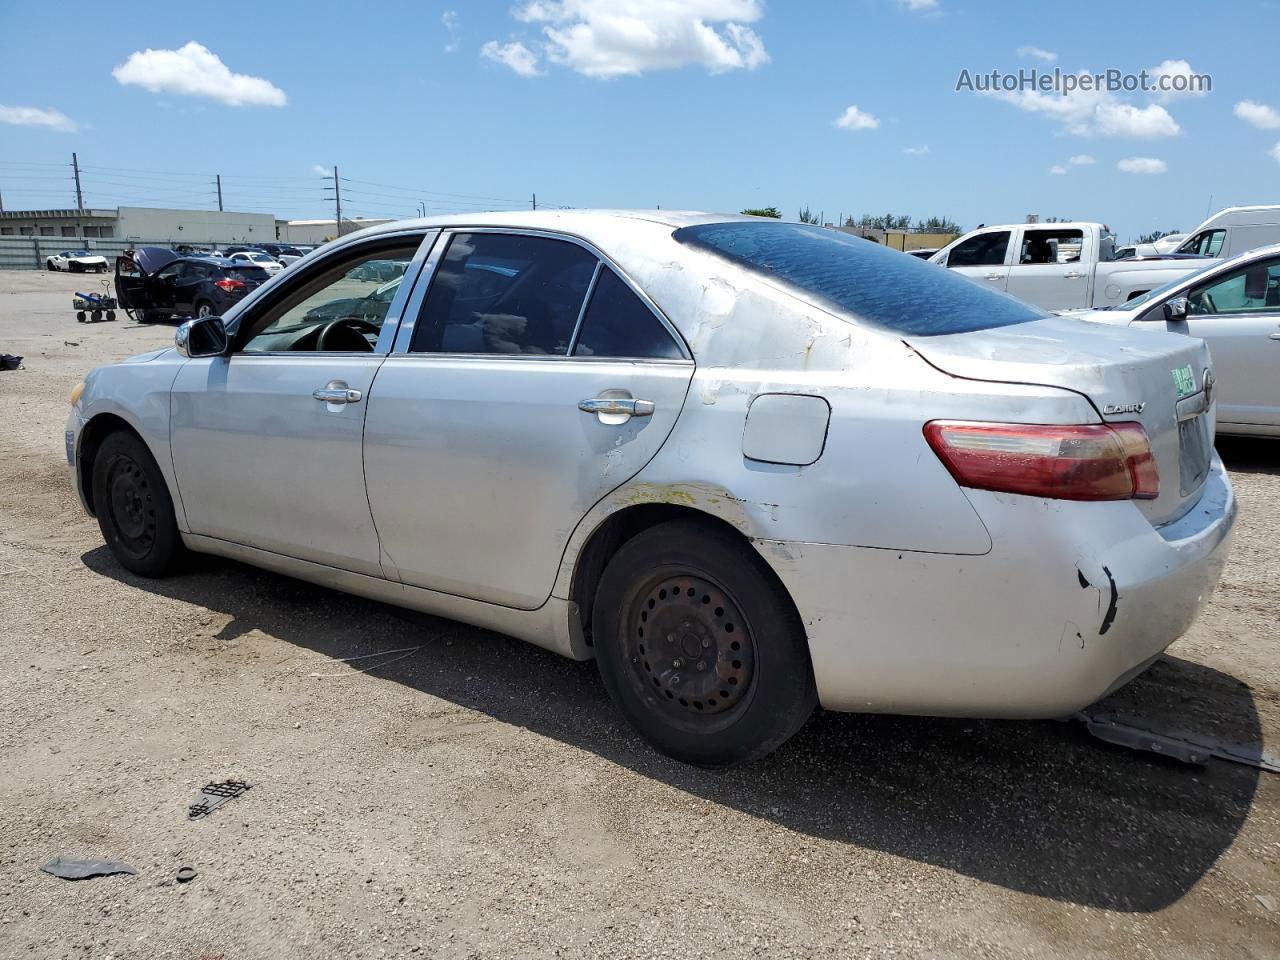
(251, 308)
(422, 288)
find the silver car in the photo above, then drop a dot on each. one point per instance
(1233, 306)
(748, 466)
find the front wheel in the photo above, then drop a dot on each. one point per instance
(50, 267)
(700, 647)
(135, 511)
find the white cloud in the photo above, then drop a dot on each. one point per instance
(1179, 74)
(37, 117)
(321, 171)
(1142, 165)
(450, 21)
(919, 5)
(855, 119)
(1093, 113)
(1142, 123)
(912, 151)
(197, 71)
(515, 55)
(612, 38)
(1259, 114)
(1275, 152)
(1079, 160)
(1039, 53)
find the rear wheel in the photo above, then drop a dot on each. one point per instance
(700, 647)
(135, 511)
(204, 309)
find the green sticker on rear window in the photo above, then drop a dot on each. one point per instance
(1184, 381)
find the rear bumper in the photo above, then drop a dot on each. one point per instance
(1073, 600)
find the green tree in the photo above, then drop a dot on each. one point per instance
(937, 225)
(807, 216)
(1155, 235)
(763, 212)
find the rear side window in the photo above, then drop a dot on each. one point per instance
(984, 250)
(619, 324)
(865, 280)
(505, 294)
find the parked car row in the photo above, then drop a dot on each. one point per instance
(747, 466)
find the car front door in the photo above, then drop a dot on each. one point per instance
(1048, 268)
(532, 380)
(267, 440)
(984, 258)
(1238, 315)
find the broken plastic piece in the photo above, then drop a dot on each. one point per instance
(186, 874)
(71, 869)
(1192, 748)
(214, 795)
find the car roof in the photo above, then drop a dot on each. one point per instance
(569, 221)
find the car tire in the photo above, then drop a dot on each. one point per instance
(135, 511)
(700, 647)
(49, 265)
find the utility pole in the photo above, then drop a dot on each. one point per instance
(535, 201)
(75, 165)
(218, 177)
(337, 200)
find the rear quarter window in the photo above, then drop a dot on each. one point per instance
(869, 282)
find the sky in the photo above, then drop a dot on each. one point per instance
(841, 106)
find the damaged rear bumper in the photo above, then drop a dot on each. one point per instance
(1073, 600)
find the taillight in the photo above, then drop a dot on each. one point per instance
(229, 285)
(1102, 461)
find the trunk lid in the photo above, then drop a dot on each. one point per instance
(1150, 377)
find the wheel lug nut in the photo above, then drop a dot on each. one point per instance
(702, 665)
(706, 642)
(671, 638)
(677, 663)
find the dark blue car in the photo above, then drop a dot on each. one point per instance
(154, 283)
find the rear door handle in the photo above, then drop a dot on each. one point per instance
(617, 406)
(336, 391)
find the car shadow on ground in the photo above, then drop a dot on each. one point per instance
(1250, 454)
(1035, 807)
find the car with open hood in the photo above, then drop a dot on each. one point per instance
(747, 466)
(156, 283)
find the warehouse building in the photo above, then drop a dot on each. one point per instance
(150, 224)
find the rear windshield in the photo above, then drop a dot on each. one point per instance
(247, 272)
(861, 277)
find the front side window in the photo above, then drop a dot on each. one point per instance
(1206, 243)
(504, 294)
(1050, 246)
(867, 281)
(1255, 289)
(984, 250)
(331, 308)
(619, 324)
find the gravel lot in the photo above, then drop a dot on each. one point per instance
(481, 798)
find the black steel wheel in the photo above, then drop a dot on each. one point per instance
(135, 511)
(699, 645)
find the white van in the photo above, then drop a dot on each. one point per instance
(1233, 231)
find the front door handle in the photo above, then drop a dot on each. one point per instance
(617, 407)
(1073, 276)
(994, 276)
(1275, 336)
(336, 391)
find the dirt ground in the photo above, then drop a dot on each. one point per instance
(481, 798)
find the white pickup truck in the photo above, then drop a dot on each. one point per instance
(1058, 266)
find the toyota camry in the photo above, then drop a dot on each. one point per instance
(747, 466)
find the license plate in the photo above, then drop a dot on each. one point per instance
(1195, 451)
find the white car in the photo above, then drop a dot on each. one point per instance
(263, 260)
(1234, 307)
(76, 261)
(1056, 266)
(747, 466)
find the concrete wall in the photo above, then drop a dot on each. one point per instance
(195, 226)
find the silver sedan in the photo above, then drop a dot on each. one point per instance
(747, 466)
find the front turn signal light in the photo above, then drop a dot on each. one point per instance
(76, 391)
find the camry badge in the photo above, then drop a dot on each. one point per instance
(1124, 407)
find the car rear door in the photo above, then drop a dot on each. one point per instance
(1238, 315)
(1048, 267)
(983, 257)
(528, 381)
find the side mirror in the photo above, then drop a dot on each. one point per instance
(202, 337)
(1176, 308)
